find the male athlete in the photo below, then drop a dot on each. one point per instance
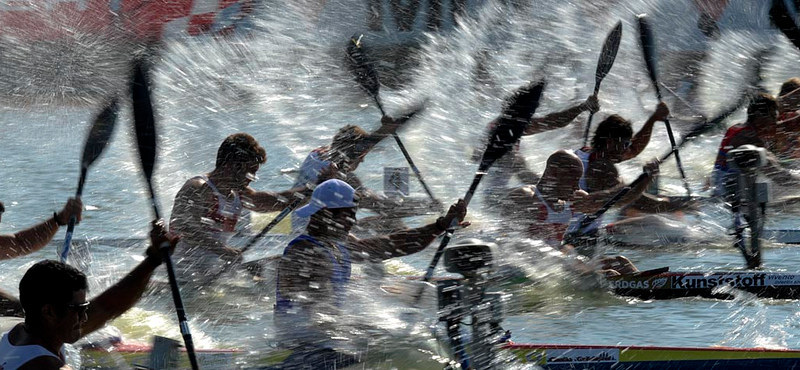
(31, 240)
(347, 150)
(546, 211)
(208, 206)
(314, 271)
(514, 163)
(53, 295)
(759, 130)
(613, 143)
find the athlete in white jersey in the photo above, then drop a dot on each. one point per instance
(57, 312)
(14, 357)
(546, 209)
(207, 209)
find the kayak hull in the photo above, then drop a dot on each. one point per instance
(716, 285)
(558, 357)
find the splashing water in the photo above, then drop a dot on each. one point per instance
(285, 82)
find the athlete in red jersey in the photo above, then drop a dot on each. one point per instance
(545, 211)
(759, 130)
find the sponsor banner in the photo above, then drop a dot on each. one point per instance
(782, 279)
(147, 19)
(647, 283)
(577, 356)
(739, 280)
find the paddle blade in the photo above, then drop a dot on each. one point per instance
(608, 55)
(516, 116)
(144, 120)
(779, 15)
(648, 49)
(100, 133)
(362, 68)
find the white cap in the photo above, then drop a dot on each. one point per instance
(330, 194)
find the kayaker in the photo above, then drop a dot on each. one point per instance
(546, 211)
(613, 142)
(31, 240)
(514, 163)
(759, 130)
(314, 271)
(53, 295)
(207, 209)
(348, 148)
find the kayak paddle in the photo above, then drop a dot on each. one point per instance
(366, 76)
(649, 53)
(97, 140)
(516, 116)
(604, 64)
(145, 123)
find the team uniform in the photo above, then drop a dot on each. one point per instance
(590, 233)
(13, 357)
(550, 226)
(724, 176)
(314, 348)
(198, 264)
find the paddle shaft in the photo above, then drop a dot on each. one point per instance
(145, 125)
(285, 212)
(72, 219)
(179, 308)
(405, 154)
(449, 233)
(649, 53)
(674, 146)
(591, 114)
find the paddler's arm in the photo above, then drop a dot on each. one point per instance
(521, 169)
(120, 297)
(777, 173)
(35, 238)
(388, 127)
(267, 201)
(790, 101)
(642, 138)
(590, 203)
(403, 243)
(561, 119)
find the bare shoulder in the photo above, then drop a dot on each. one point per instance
(43, 363)
(516, 200)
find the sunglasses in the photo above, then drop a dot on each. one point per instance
(79, 308)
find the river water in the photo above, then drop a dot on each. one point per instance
(285, 84)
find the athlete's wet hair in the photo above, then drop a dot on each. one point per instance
(48, 282)
(612, 127)
(347, 140)
(763, 105)
(240, 148)
(790, 85)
